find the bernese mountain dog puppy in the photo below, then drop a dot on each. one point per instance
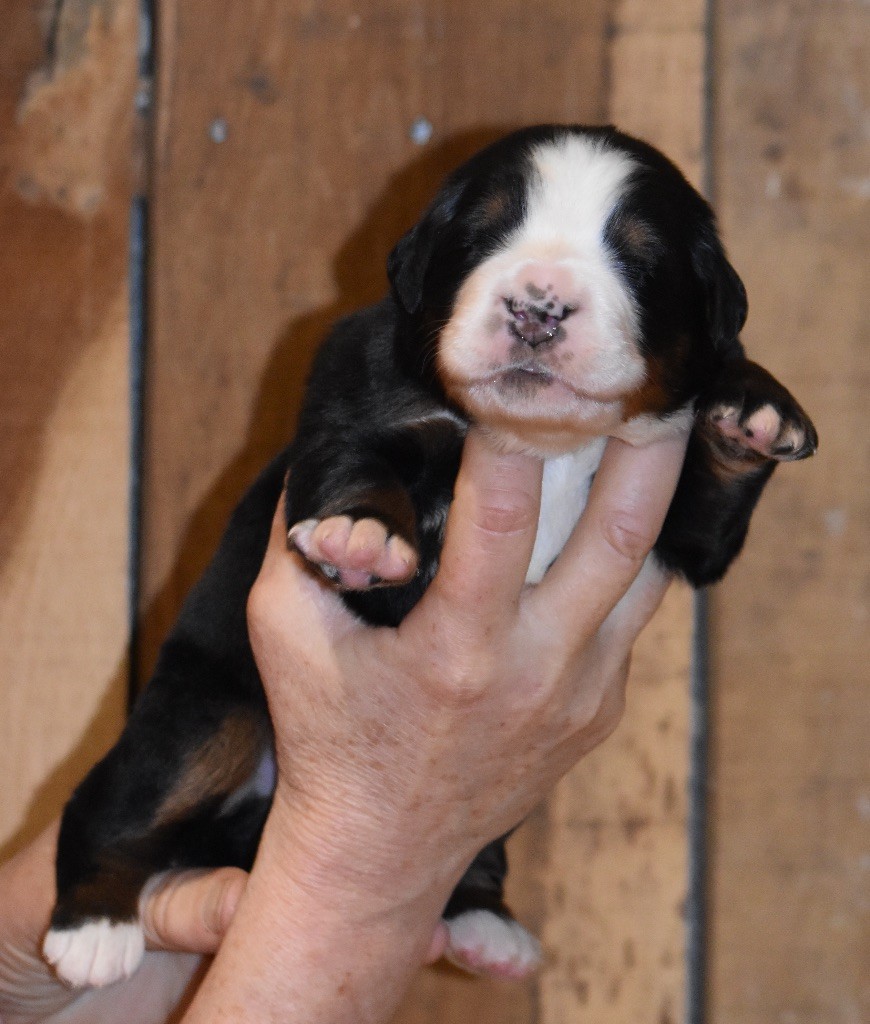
(566, 285)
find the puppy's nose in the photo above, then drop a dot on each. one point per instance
(535, 325)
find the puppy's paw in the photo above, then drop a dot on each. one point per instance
(772, 432)
(751, 416)
(482, 942)
(354, 554)
(96, 953)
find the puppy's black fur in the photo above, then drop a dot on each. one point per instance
(380, 437)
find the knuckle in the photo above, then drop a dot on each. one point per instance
(605, 713)
(461, 677)
(504, 517)
(611, 710)
(463, 686)
(220, 907)
(265, 602)
(258, 604)
(156, 914)
(583, 714)
(628, 535)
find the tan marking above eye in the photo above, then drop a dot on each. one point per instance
(495, 206)
(638, 235)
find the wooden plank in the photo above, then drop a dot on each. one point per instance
(65, 108)
(263, 238)
(615, 883)
(790, 939)
(616, 879)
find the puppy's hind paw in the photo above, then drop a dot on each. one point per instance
(482, 942)
(355, 554)
(96, 953)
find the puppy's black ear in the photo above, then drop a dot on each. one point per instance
(409, 261)
(725, 296)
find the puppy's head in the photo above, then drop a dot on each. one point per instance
(573, 284)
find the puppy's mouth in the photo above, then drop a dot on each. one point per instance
(536, 408)
(523, 377)
(527, 378)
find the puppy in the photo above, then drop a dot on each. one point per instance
(565, 286)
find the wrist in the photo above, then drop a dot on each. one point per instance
(313, 940)
(368, 863)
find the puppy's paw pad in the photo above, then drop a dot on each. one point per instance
(95, 954)
(484, 943)
(773, 433)
(354, 554)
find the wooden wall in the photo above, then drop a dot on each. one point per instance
(66, 87)
(283, 168)
(790, 894)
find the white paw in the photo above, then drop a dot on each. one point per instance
(96, 953)
(484, 943)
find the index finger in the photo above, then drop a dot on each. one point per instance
(489, 538)
(630, 496)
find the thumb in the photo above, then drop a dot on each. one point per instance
(190, 911)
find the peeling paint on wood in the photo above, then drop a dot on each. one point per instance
(74, 107)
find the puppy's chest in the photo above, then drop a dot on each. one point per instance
(564, 492)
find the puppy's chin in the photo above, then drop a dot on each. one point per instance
(548, 418)
(536, 414)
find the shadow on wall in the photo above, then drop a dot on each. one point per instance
(359, 273)
(359, 270)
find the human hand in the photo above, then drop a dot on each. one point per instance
(430, 740)
(184, 915)
(402, 752)
(444, 733)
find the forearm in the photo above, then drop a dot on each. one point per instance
(296, 953)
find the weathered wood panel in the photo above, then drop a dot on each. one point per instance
(284, 171)
(65, 101)
(617, 870)
(790, 939)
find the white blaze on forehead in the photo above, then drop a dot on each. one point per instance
(578, 183)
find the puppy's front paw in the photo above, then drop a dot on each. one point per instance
(96, 953)
(354, 554)
(750, 416)
(482, 942)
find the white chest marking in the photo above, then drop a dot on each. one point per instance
(563, 497)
